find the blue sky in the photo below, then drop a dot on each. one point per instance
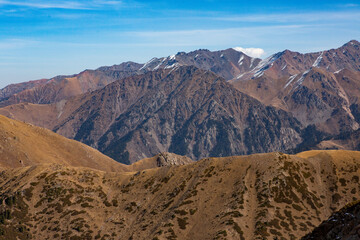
(42, 39)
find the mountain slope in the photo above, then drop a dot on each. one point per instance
(318, 88)
(64, 87)
(249, 197)
(183, 110)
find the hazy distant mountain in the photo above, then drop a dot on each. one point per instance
(64, 87)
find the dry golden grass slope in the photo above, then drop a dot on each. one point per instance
(22, 145)
(260, 196)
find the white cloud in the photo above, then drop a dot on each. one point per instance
(252, 52)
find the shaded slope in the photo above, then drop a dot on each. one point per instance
(250, 197)
(186, 111)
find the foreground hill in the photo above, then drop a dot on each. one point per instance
(183, 110)
(24, 145)
(261, 196)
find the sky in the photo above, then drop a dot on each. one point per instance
(42, 39)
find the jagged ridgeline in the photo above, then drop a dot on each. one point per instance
(269, 196)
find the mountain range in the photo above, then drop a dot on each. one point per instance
(202, 104)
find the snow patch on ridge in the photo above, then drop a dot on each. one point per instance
(172, 65)
(301, 80)
(265, 64)
(338, 71)
(240, 62)
(318, 60)
(291, 78)
(146, 64)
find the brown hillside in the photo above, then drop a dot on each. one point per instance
(261, 196)
(22, 145)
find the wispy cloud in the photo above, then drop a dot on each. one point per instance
(79, 5)
(44, 5)
(351, 5)
(7, 44)
(293, 17)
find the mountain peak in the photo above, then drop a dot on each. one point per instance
(351, 43)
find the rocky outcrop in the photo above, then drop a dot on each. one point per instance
(170, 159)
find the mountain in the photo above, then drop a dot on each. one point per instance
(64, 87)
(184, 110)
(262, 196)
(317, 88)
(19, 87)
(344, 224)
(319, 92)
(226, 63)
